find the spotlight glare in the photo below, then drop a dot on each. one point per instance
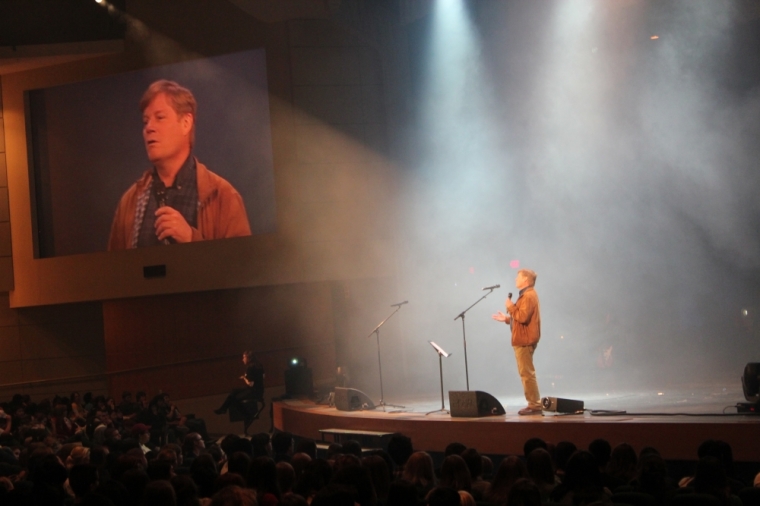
(654, 37)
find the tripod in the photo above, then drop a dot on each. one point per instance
(464, 334)
(376, 331)
(441, 354)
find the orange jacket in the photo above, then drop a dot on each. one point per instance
(221, 212)
(526, 318)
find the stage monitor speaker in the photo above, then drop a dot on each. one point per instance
(298, 381)
(560, 405)
(474, 403)
(350, 399)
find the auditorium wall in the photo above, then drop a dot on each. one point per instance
(333, 248)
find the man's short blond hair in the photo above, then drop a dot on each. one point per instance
(531, 275)
(180, 98)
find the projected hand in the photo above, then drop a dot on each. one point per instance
(501, 317)
(170, 223)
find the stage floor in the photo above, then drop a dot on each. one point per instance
(674, 421)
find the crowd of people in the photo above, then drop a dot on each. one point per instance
(91, 451)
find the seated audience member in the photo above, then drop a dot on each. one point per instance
(380, 475)
(533, 443)
(307, 446)
(454, 449)
(541, 471)
(83, 479)
(420, 473)
(722, 451)
(652, 478)
(298, 462)
(443, 496)
(293, 500)
(159, 493)
(352, 447)
(234, 496)
(186, 490)
(282, 446)
(262, 477)
(192, 446)
(227, 480)
(316, 475)
(141, 433)
(333, 450)
(454, 474)
(160, 470)
(524, 493)
(400, 448)
(487, 468)
(356, 477)
(621, 468)
(509, 471)
(562, 452)
(127, 406)
(336, 495)
(466, 499)
(582, 483)
(238, 463)
(475, 465)
(286, 477)
(262, 445)
(710, 478)
(204, 473)
(402, 493)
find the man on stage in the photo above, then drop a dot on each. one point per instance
(524, 317)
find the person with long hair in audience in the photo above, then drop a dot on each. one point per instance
(454, 474)
(419, 471)
(510, 470)
(541, 471)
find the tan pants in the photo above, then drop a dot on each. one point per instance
(524, 357)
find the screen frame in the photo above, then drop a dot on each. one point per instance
(201, 266)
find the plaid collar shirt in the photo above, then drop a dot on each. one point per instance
(182, 196)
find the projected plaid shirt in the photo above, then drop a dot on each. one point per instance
(182, 196)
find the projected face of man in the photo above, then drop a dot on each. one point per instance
(167, 137)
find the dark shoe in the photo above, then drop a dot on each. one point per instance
(529, 411)
(220, 411)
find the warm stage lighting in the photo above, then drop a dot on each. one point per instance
(654, 37)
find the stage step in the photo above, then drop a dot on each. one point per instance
(368, 439)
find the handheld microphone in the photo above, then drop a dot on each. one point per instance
(494, 287)
(400, 304)
(509, 295)
(160, 191)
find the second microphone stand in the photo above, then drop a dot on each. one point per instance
(376, 331)
(464, 334)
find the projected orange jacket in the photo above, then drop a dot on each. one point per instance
(526, 319)
(221, 212)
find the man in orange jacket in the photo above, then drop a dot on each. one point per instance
(524, 317)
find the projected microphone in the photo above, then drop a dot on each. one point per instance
(494, 287)
(160, 191)
(400, 304)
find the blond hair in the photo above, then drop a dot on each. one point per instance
(531, 275)
(181, 99)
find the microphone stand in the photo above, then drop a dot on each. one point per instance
(376, 331)
(464, 335)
